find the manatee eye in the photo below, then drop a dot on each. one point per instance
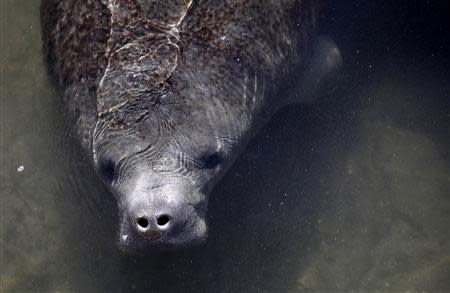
(211, 161)
(107, 169)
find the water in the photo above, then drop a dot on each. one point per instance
(348, 194)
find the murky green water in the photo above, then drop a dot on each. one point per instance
(347, 195)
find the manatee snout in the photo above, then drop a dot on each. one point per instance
(166, 215)
(161, 170)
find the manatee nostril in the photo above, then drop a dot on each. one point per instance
(162, 220)
(142, 222)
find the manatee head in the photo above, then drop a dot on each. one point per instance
(160, 155)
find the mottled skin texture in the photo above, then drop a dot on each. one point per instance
(166, 93)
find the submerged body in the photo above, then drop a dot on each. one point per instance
(166, 94)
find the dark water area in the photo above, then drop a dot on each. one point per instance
(346, 194)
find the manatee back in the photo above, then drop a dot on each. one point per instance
(75, 33)
(214, 44)
(261, 33)
(245, 51)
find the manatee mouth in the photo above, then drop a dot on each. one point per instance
(152, 235)
(136, 236)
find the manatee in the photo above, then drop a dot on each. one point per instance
(164, 95)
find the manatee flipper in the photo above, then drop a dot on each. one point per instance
(325, 60)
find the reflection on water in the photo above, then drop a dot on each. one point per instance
(350, 193)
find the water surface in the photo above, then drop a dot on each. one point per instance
(348, 194)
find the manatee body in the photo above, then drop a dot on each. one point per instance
(165, 94)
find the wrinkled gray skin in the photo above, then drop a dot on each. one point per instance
(167, 93)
